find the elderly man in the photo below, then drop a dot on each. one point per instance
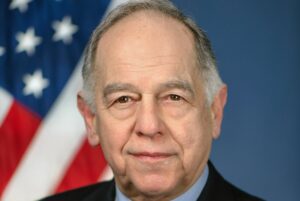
(153, 99)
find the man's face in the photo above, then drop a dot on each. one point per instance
(151, 118)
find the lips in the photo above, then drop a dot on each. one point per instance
(151, 155)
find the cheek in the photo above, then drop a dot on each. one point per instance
(192, 128)
(113, 137)
(194, 138)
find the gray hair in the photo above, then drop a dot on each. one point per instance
(205, 56)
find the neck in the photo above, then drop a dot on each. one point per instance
(192, 193)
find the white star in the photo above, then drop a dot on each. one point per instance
(34, 84)
(64, 30)
(19, 4)
(27, 41)
(2, 51)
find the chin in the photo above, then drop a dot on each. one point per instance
(154, 185)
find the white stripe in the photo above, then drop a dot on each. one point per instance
(5, 103)
(53, 148)
(106, 175)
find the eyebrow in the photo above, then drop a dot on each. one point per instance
(117, 87)
(172, 84)
(178, 84)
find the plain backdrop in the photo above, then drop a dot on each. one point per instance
(257, 45)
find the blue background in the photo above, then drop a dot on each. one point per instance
(257, 44)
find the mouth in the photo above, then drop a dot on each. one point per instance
(151, 156)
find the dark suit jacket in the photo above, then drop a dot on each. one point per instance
(215, 189)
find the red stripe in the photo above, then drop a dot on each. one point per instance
(16, 132)
(85, 169)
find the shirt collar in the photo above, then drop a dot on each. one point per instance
(192, 194)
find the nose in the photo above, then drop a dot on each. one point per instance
(148, 121)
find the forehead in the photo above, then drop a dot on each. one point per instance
(145, 34)
(148, 42)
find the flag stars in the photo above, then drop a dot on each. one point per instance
(22, 5)
(27, 41)
(35, 84)
(2, 51)
(64, 30)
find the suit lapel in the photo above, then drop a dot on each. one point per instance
(216, 188)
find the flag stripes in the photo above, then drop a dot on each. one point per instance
(49, 154)
(86, 155)
(16, 131)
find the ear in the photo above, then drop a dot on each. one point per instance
(89, 120)
(217, 109)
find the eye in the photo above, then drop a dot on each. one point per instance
(175, 97)
(123, 99)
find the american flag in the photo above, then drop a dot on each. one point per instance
(43, 148)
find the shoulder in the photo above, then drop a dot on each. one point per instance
(218, 189)
(88, 193)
